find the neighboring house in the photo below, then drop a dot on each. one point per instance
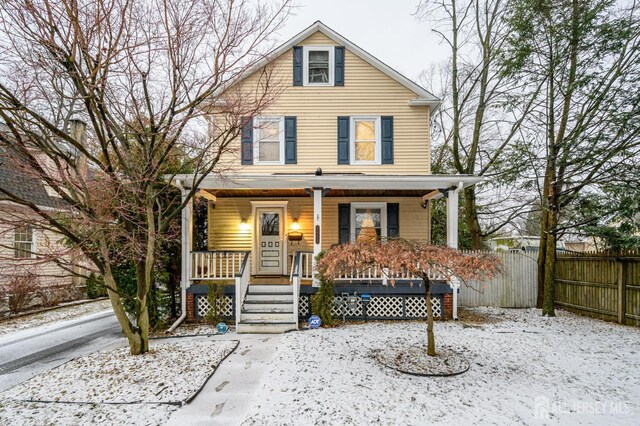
(344, 151)
(531, 243)
(27, 249)
(525, 243)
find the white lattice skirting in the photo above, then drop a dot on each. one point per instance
(225, 306)
(387, 307)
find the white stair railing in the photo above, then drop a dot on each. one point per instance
(295, 282)
(242, 284)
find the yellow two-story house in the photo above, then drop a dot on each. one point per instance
(343, 151)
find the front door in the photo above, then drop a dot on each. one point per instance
(270, 240)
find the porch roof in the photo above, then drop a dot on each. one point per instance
(334, 181)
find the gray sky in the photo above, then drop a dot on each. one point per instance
(384, 28)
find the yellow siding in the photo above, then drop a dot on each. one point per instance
(366, 91)
(225, 218)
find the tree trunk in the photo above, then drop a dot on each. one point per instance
(550, 263)
(471, 217)
(544, 229)
(431, 341)
(131, 333)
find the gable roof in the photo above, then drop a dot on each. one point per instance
(424, 97)
(23, 185)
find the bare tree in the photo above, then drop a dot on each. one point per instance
(142, 74)
(480, 121)
(586, 53)
(417, 258)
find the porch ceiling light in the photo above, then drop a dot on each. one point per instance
(244, 226)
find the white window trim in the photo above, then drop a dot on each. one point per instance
(305, 68)
(256, 139)
(352, 139)
(383, 217)
(33, 244)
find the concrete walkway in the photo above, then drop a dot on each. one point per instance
(227, 395)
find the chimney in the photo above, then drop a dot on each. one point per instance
(78, 131)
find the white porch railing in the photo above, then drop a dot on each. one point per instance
(224, 266)
(216, 265)
(369, 274)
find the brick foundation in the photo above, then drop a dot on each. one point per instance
(447, 301)
(191, 306)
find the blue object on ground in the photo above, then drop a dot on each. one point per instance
(314, 321)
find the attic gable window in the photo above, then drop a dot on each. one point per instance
(319, 65)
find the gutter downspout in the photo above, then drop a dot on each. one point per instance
(183, 273)
(455, 284)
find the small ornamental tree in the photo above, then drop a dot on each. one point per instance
(417, 258)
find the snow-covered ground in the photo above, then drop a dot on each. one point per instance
(48, 317)
(190, 329)
(525, 369)
(113, 387)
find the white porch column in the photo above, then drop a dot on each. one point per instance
(452, 218)
(317, 229)
(186, 226)
(452, 238)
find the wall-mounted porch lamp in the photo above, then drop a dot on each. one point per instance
(295, 226)
(244, 226)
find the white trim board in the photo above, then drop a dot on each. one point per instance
(334, 181)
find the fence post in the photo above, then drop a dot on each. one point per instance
(622, 292)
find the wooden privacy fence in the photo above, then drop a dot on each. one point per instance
(604, 284)
(515, 288)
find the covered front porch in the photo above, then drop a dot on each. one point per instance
(268, 229)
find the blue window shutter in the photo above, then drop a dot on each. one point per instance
(344, 223)
(343, 140)
(297, 65)
(393, 220)
(387, 139)
(246, 141)
(290, 140)
(338, 77)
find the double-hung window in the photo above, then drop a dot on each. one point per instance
(365, 140)
(319, 69)
(23, 242)
(368, 221)
(269, 140)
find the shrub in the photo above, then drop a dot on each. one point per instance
(214, 297)
(50, 296)
(95, 286)
(21, 290)
(322, 301)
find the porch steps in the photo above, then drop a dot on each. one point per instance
(267, 309)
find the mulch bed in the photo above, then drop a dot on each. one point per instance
(415, 361)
